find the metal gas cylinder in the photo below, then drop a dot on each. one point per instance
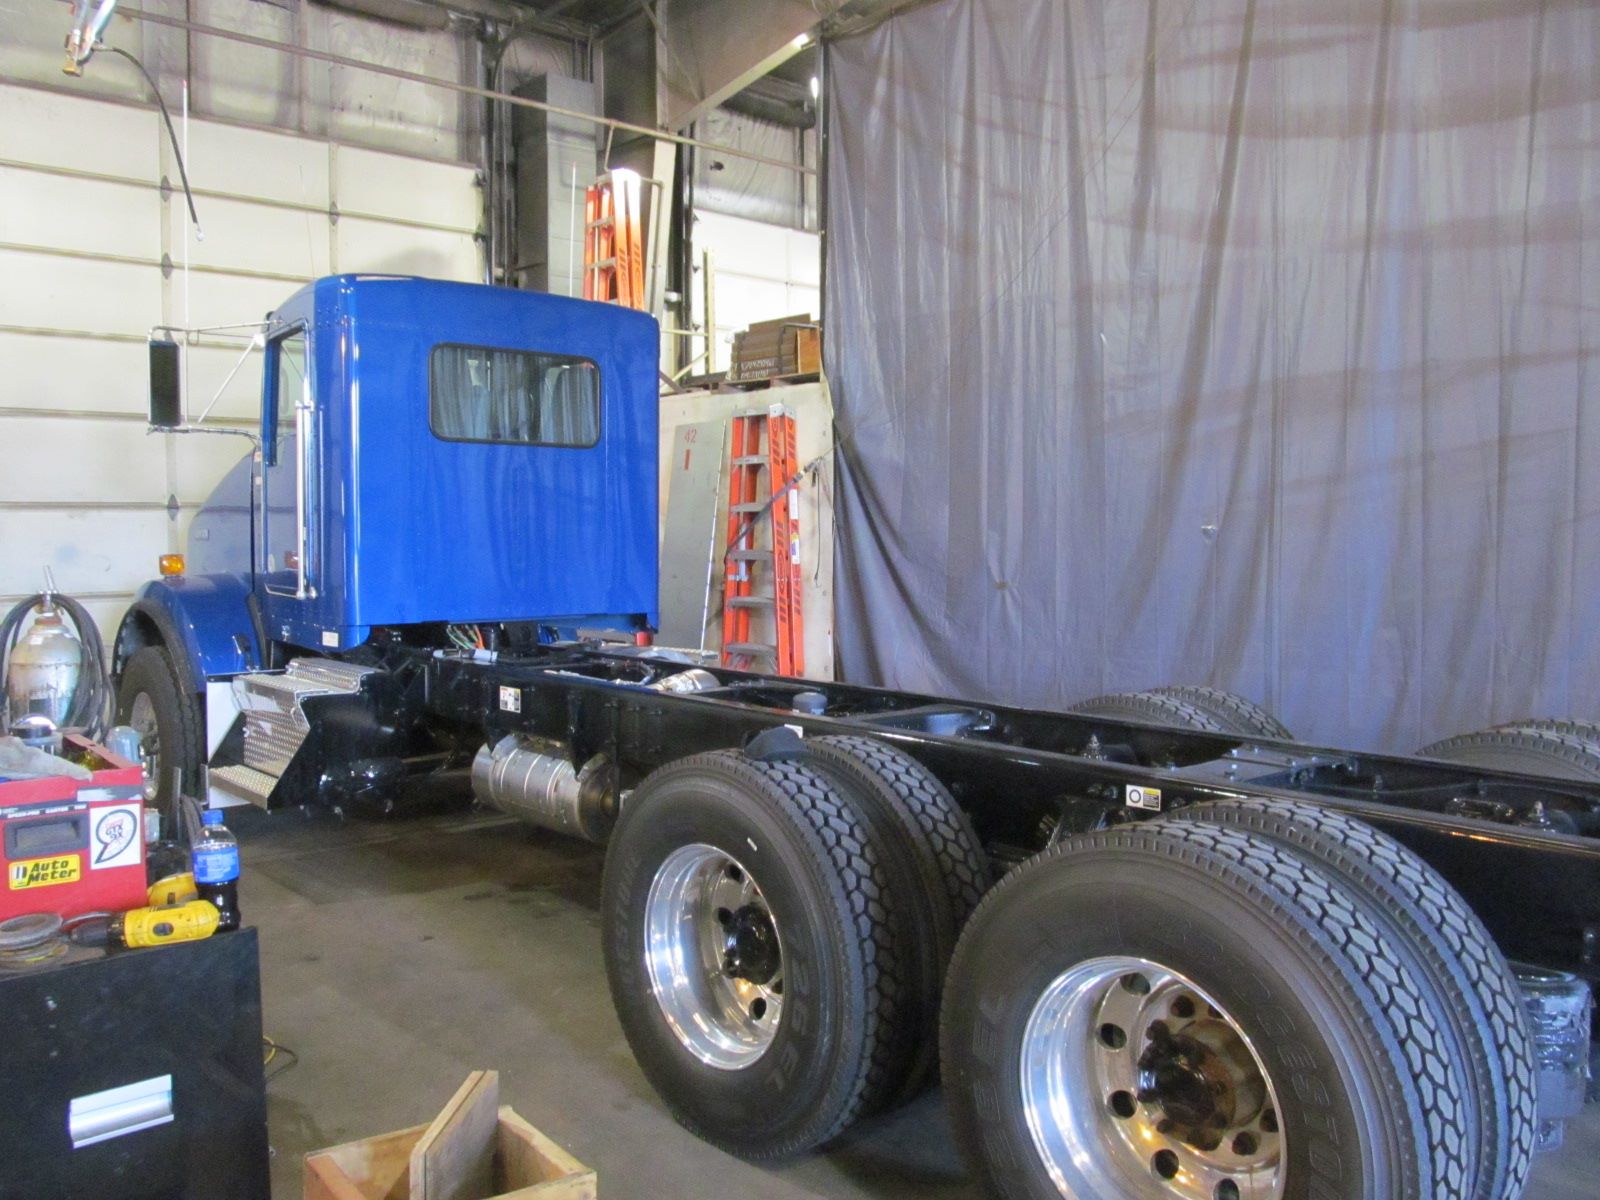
(43, 670)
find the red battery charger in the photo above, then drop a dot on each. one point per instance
(74, 846)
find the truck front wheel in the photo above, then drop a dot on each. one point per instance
(151, 699)
(1160, 1013)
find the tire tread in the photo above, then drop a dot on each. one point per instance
(1238, 714)
(1150, 708)
(1569, 757)
(1291, 891)
(1459, 953)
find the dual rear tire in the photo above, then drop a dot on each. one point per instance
(776, 936)
(1244, 1000)
(1364, 1035)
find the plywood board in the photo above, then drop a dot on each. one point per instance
(696, 470)
(454, 1159)
(536, 1167)
(375, 1168)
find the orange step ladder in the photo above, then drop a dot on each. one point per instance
(763, 442)
(613, 248)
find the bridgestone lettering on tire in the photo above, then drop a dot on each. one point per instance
(828, 897)
(1472, 993)
(1286, 954)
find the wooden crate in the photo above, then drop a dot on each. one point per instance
(527, 1166)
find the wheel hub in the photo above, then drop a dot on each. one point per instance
(714, 956)
(1137, 1084)
(1203, 1081)
(142, 718)
(752, 945)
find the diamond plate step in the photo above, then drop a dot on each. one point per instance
(275, 722)
(246, 783)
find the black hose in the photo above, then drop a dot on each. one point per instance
(91, 700)
(172, 133)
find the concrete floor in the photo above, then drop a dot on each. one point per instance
(398, 955)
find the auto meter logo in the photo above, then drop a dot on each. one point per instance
(43, 872)
(114, 831)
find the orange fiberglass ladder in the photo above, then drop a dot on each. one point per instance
(613, 250)
(763, 442)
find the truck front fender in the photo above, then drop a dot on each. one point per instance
(204, 621)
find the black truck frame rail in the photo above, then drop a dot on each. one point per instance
(1523, 850)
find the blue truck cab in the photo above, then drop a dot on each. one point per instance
(430, 454)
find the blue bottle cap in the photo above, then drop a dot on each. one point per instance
(211, 816)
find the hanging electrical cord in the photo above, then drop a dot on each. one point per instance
(91, 708)
(172, 134)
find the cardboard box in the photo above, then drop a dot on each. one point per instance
(787, 346)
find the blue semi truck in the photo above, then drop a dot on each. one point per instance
(1155, 947)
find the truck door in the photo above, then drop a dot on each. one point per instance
(286, 551)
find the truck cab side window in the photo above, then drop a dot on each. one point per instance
(291, 382)
(478, 394)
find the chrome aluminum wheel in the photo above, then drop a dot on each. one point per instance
(714, 957)
(142, 719)
(1137, 1085)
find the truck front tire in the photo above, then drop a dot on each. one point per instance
(1171, 1010)
(749, 944)
(151, 698)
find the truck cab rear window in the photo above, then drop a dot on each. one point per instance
(517, 397)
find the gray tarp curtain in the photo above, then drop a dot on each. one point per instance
(1244, 343)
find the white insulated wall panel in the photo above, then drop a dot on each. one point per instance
(289, 245)
(116, 219)
(47, 291)
(207, 368)
(760, 272)
(71, 461)
(83, 232)
(372, 184)
(90, 552)
(72, 374)
(79, 133)
(379, 248)
(258, 163)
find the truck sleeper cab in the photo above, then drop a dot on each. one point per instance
(1154, 946)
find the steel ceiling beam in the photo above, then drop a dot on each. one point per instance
(714, 50)
(450, 85)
